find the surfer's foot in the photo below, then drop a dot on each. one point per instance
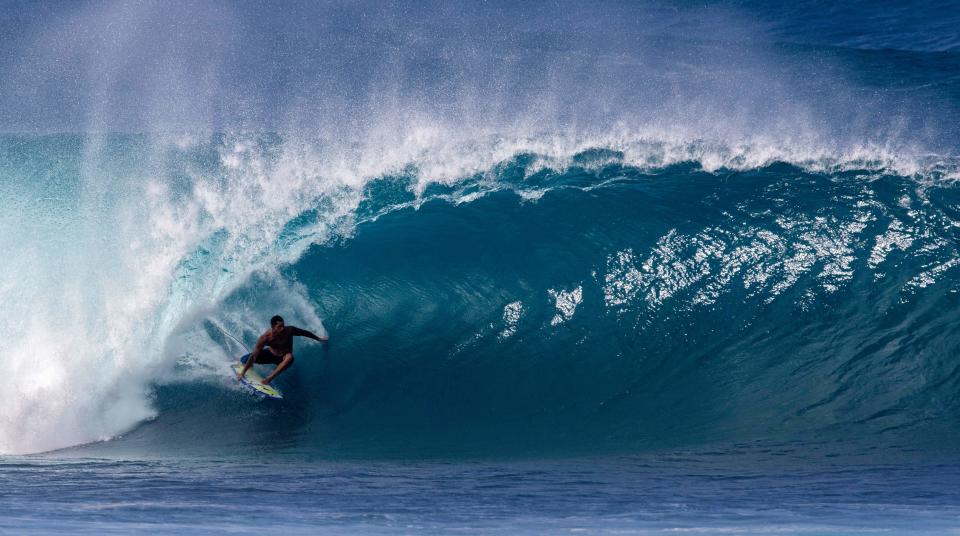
(265, 381)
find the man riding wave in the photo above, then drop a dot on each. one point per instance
(275, 346)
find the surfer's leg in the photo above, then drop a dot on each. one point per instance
(283, 365)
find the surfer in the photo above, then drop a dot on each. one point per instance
(275, 346)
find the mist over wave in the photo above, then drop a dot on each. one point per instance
(572, 229)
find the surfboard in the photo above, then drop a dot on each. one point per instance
(251, 381)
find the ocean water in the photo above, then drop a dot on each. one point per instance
(622, 268)
(704, 491)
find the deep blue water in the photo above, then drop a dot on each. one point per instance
(633, 268)
(741, 489)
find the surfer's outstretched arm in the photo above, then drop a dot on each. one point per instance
(307, 334)
(253, 356)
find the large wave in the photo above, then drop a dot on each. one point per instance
(541, 227)
(615, 296)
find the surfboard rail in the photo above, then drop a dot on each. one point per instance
(251, 381)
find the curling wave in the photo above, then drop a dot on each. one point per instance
(532, 295)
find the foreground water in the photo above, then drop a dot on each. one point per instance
(734, 489)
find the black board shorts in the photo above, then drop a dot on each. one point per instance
(266, 357)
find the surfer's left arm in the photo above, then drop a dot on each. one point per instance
(308, 334)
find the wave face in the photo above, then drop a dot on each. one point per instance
(599, 305)
(612, 308)
(610, 241)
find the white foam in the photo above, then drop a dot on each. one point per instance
(566, 302)
(511, 318)
(623, 280)
(705, 264)
(897, 236)
(93, 311)
(931, 274)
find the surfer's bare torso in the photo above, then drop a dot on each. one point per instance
(275, 346)
(280, 344)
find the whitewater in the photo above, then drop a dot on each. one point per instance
(636, 268)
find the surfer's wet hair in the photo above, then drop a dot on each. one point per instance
(275, 320)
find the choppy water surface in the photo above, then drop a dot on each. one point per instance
(686, 492)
